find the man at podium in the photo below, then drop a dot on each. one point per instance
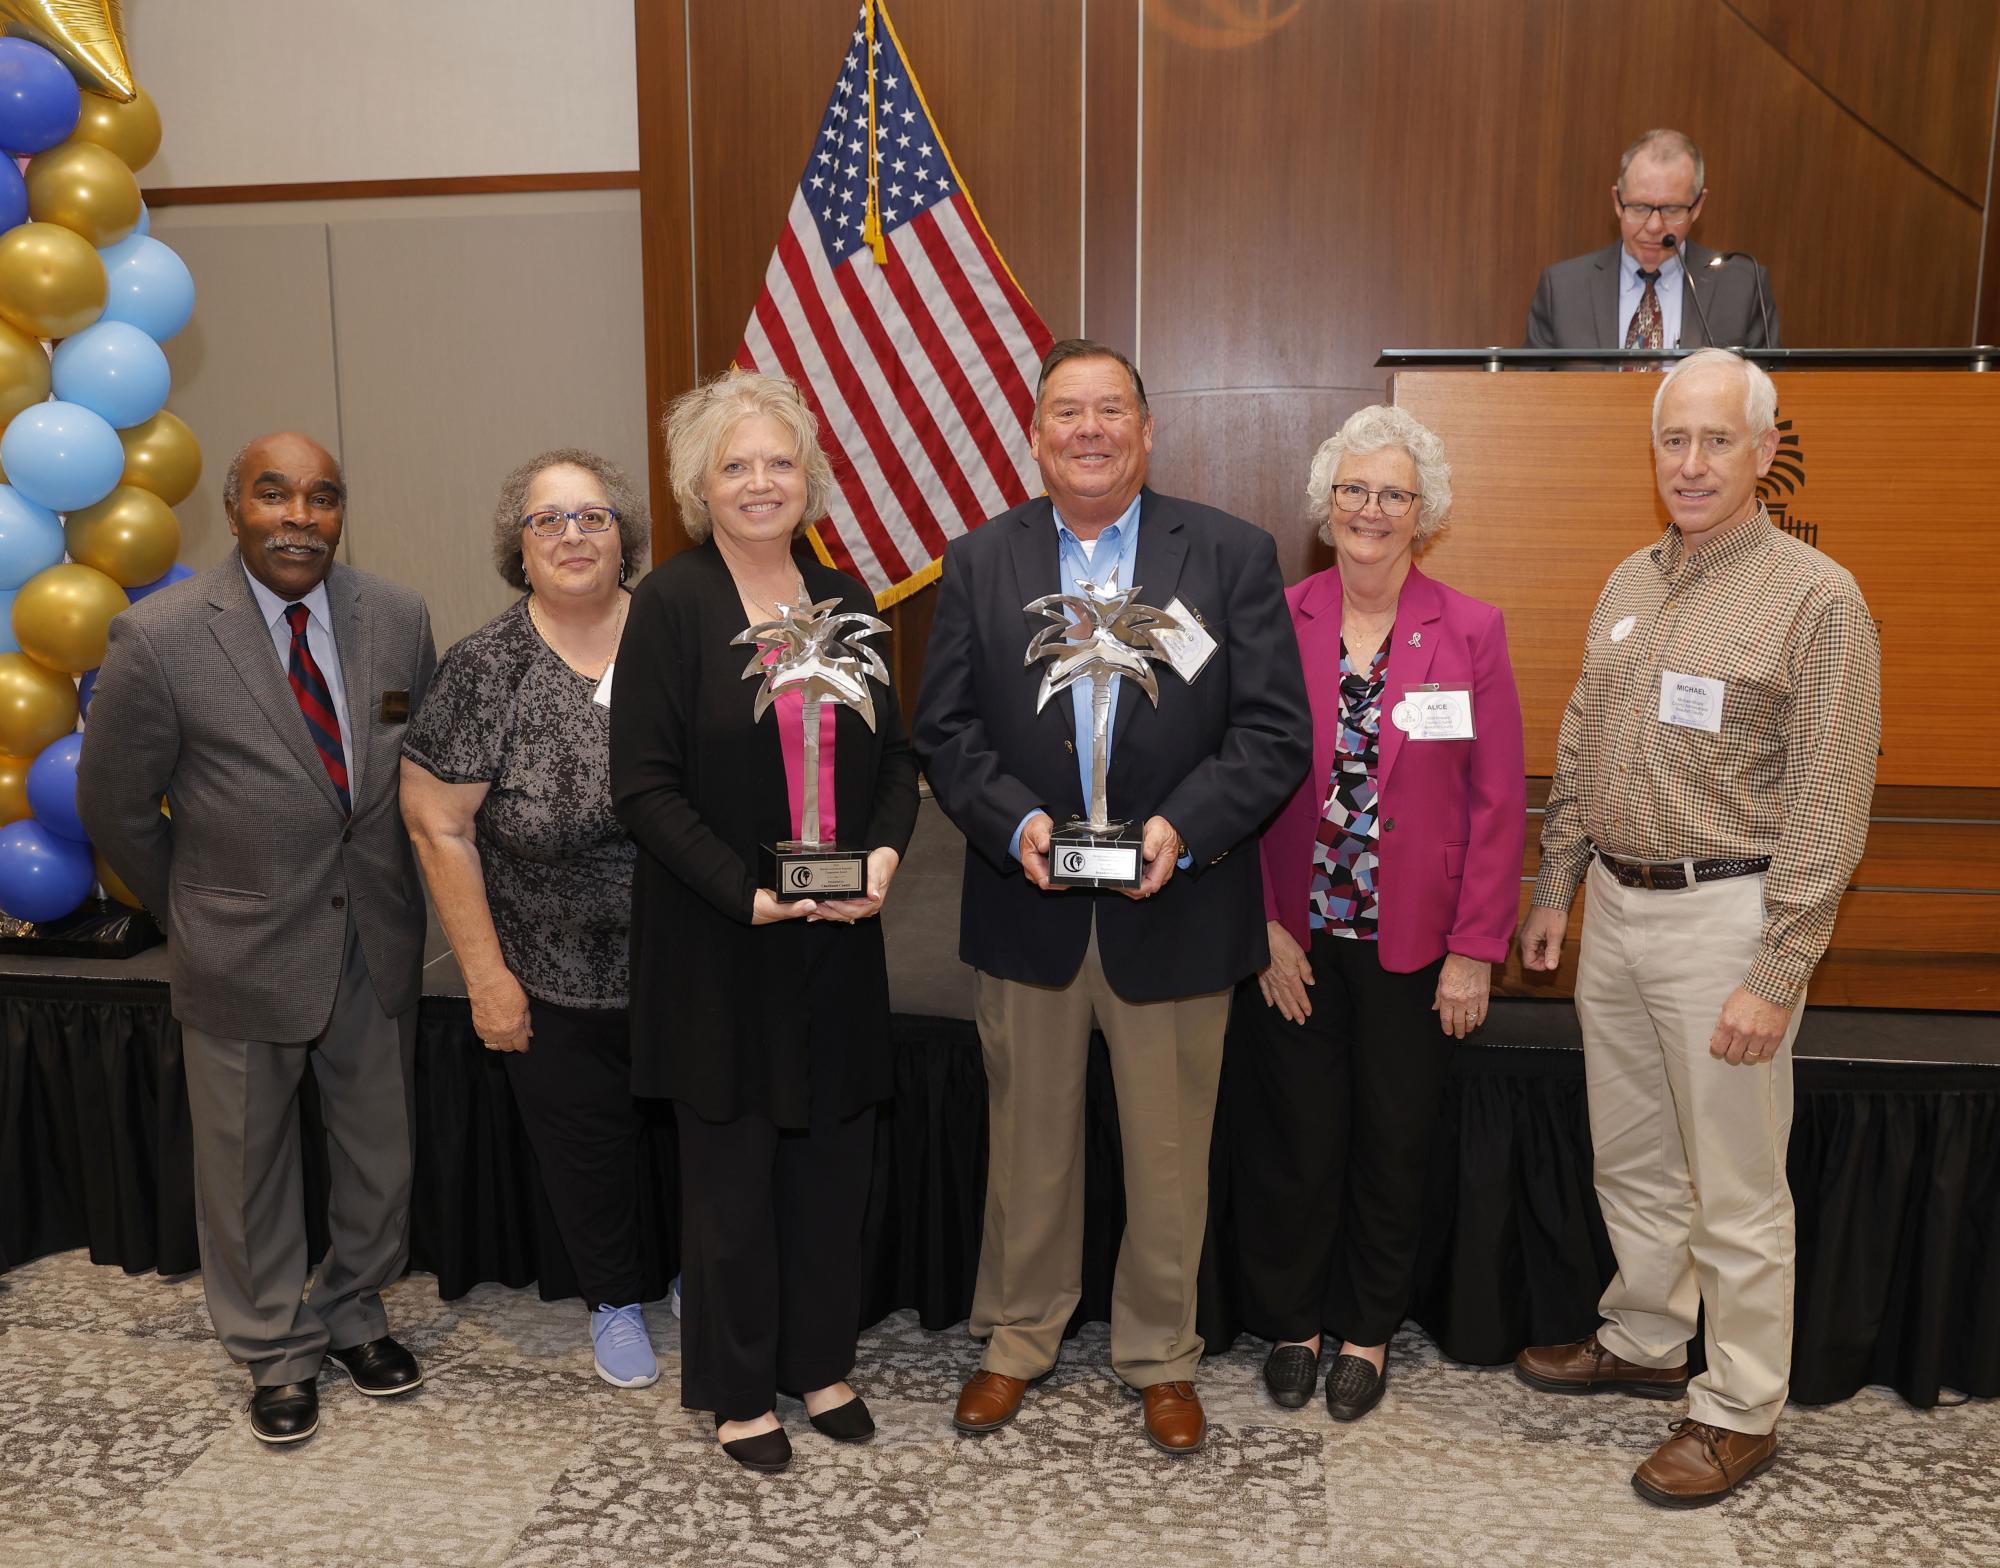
(1655, 288)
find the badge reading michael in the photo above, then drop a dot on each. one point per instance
(1693, 702)
(1434, 713)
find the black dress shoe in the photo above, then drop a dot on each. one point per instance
(848, 1423)
(1354, 1387)
(766, 1452)
(1291, 1373)
(381, 1367)
(285, 1412)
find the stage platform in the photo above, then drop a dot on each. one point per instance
(1895, 1163)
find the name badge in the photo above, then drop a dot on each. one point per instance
(1190, 648)
(602, 696)
(1694, 702)
(1434, 713)
(395, 707)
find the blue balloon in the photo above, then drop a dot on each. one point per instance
(85, 688)
(52, 789)
(62, 456)
(39, 100)
(150, 286)
(31, 538)
(173, 574)
(13, 196)
(114, 370)
(145, 220)
(43, 876)
(9, 643)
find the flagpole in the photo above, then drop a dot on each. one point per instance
(871, 223)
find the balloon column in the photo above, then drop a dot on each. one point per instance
(86, 299)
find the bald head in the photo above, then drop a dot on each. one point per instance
(286, 504)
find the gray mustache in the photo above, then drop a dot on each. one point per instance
(310, 542)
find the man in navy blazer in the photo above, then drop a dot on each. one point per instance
(1224, 747)
(1591, 301)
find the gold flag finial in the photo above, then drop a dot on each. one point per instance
(88, 36)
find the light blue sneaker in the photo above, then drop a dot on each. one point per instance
(624, 1353)
(675, 1296)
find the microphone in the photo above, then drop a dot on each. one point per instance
(1757, 282)
(1672, 240)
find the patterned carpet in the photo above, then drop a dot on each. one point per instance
(123, 1440)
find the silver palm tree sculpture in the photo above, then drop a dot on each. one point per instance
(821, 656)
(1098, 633)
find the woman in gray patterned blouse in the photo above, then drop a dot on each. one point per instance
(506, 789)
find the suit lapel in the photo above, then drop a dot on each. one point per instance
(1038, 573)
(1157, 575)
(245, 638)
(1412, 643)
(1694, 265)
(1604, 298)
(353, 636)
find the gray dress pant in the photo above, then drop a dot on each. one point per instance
(243, 1097)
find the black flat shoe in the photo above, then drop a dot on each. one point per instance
(848, 1423)
(285, 1412)
(1354, 1387)
(1291, 1373)
(380, 1368)
(767, 1452)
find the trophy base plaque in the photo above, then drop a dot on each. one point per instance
(1080, 857)
(794, 870)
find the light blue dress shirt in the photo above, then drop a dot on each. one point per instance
(325, 652)
(1631, 290)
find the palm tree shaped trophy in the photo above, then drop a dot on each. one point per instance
(816, 650)
(1099, 633)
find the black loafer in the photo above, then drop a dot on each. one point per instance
(1291, 1373)
(1354, 1387)
(767, 1452)
(285, 1412)
(380, 1368)
(848, 1423)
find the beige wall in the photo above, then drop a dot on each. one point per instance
(431, 342)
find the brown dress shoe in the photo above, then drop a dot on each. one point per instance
(1586, 1367)
(1174, 1422)
(988, 1401)
(1702, 1464)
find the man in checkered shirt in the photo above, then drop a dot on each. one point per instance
(1713, 778)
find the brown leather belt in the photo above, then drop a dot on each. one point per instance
(1674, 875)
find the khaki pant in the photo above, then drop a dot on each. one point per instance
(1165, 1060)
(1690, 1150)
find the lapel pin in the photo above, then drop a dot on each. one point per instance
(1416, 639)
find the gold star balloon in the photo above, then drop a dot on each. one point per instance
(88, 36)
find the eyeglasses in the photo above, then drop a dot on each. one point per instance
(553, 524)
(1394, 502)
(1642, 211)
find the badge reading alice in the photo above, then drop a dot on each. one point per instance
(1099, 633)
(816, 651)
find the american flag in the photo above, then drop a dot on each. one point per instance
(919, 360)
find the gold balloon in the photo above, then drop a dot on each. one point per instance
(88, 36)
(62, 617)
(131, 536)
(14, 805)
(114, 885)
(37, 705)
(162, 456)
(84, 187)
(24, 373)
(131, 130)
(51, 283)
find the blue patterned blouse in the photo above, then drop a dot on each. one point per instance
(1344, 857)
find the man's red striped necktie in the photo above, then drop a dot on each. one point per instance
(316, 703)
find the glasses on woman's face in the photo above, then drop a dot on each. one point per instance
(553, 524)
(1394, 502)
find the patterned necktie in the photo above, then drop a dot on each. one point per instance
(1645, 331)
(316, 703)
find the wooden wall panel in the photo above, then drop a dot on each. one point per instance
(659, 51)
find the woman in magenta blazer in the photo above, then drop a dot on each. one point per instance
(1391, 883)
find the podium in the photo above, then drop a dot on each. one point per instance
(1889, 461)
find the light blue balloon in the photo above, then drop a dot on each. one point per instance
(150, 286)
(61, 456)
(31, 539)
(114, 370)
(145, 220)
(43, 876)
(52, 789)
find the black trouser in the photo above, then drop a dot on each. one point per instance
(1331, 1126)
(574, 1087)
(770, 1257)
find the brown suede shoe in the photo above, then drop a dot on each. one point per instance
(1702, 1464)
(1586, 1367)
(988, 1401)
(1174, 1422)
